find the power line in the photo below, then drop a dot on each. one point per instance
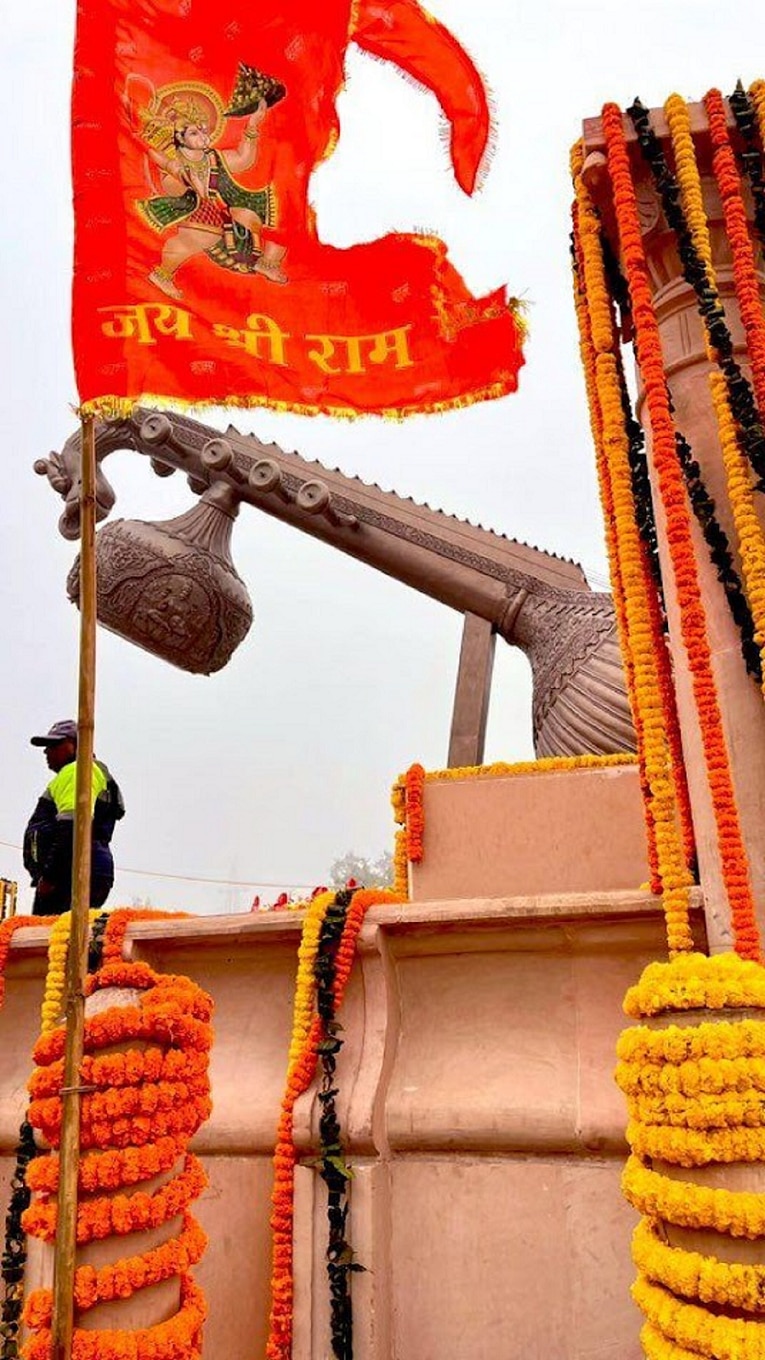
(189, 878)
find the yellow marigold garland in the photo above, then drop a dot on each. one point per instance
(594, 313)
(696, 1147)
(751, 540)
(695, 1276)
(693, 623)
(757, 95)
(716, 1337)
(638, 617)
(677, 1044)
(55, 977)
(696, 1098)
(400, 863)
(696, 982)
(502, 770)
(739, 1213)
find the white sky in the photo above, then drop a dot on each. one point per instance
(283, 761)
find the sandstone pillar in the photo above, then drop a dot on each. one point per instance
(688, 369)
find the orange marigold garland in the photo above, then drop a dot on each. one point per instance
(679, 541)
(8, 929)
(414, 788)
(138, 1122)
(638, 611)
(737, 229)
(594, 313)
(751, 540)
(300, 1073)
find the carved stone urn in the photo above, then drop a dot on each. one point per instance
(171, 587)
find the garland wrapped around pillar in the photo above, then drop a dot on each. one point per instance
(145, 1085)
(693, 1069)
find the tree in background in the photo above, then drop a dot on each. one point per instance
(370, 873)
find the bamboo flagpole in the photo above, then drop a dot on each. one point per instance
(77, 959)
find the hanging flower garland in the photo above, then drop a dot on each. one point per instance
(699, 273)
(14, 1256)
(587, 241)
(8, 929)
(304, 1053)
(757, 96)
(642, 623)
(696, 1098)
(679, 542)
(333, 1168)
(751, 541)
(695, 249)
(414, 792)
(141, 1109)
(751, 157)
(737, 230)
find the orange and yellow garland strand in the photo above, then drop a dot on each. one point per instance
(307, 1034)
(638, 616)
(737, 230)
(679, 542)
(142, 1108)
(751, 540)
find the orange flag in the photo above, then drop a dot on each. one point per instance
(200, 274)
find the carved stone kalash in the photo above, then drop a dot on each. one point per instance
(172, 588)
(687, 368)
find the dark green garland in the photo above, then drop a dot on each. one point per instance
(13, 1261)
(638, 463)
(740, 394)
(96, 942)
(711, 309)
(331, 1162)
(751, 157)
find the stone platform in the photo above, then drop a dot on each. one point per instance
(484, 1128)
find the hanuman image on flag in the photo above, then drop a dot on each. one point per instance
(202, 206)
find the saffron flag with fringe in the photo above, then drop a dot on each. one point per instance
(200, 275)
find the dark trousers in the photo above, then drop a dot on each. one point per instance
(60, 900)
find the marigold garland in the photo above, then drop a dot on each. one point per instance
(737, 230)
(700, 278)
(697, 982)
(719, 1039)
(638, 610)
(303, 1058)
(179, 1338)
(696, 1147)
(400, 863)
(751, 539)
(679, 541)
(757, 96)
(8, 929)
(696, 1098)
(717, 1337)
(55, 978)
(138, 1120)
(696, 1276)
(414, 791)
(591, 301)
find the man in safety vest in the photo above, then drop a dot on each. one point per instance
(49, 837)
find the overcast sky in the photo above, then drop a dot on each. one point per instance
(274, 767)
